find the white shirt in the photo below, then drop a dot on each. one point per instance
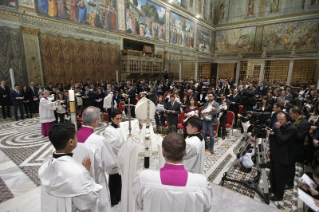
(246, 159)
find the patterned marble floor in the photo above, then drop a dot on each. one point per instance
(22, 150)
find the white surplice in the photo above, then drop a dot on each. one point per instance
(195, 155)
(66, 186)
(105, 161)
(151, 195)
(115, 137)
(46, 110)
(131, 161)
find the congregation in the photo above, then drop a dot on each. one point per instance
(199, 110)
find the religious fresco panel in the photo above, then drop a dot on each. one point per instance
(204, 40)
(228, 41)
(9, 3)
(181, 31)
(97, 13)
(145, 19)
(283, 36)
(274, 6)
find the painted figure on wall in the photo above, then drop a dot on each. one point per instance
(191, 3)
(250, 12)
(8, 3)
(274, 6)
(228, 41)
(203, 40)
(221, 12)
(145, 19)
(181, 31)
(283, 36)
(96, 13)
(200, 6)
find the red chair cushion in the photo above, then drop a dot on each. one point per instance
(79, 119)
(228, 125)
(180, 126)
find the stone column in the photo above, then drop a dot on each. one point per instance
(237, 72)
(261, 72)
(32, 54)
(180, 71)
(196, 71)
(291, 66)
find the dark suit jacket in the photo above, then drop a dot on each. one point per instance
(303, 128)
(262, 91)
(153, 95)
(35, 92)
(172, 118)
(88, 101)
(14, 96)
(199, 100)
(132, 95)
(237, 100)
(289, 97)
(281, 143)
(4, 92)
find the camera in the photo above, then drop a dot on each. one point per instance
(259, 121)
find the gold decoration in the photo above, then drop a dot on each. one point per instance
(28, 9)
(264, 55)
(239, 56)
(293, 52)
(29, 31)
(181, 55)
(215, 56)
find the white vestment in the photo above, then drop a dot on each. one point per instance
(151, 195)
(46, 110)
(105, 161)
(195, 155)
(131, 161)
(115, 137)
(107, 102)
(66, 186)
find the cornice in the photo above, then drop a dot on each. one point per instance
(266, 21)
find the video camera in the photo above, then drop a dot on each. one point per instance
(259, 120)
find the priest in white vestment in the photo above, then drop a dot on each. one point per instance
(46, 112)
(105, 159)
(195, 146)
(113, 133)
(66, 185)
(172, 188)
(139, 152)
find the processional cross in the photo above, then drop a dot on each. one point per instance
(129, 105)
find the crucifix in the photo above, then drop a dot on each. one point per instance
(129, 105)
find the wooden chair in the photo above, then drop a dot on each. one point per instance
(240, 109)
(121, 106)
(230, 121)
(200, 112)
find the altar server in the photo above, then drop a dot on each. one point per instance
(113, 133)
(105, 159)
(46, 112)
(172, 188)
(66, 185)
(195, 146)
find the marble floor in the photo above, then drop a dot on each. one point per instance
(22, 150)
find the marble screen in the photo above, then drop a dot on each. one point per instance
(228, 41)
(145, 19)
(181, 31)
(283, 36)
(96, 13)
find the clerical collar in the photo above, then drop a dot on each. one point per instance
(114, 125)
(57, 155)
(198, 135)
(175, 164)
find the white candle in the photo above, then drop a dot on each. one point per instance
(71, 95)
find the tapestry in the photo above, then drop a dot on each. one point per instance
(228, 41)
(145, 19)
(181, 31)
(66, 59)
(96, 13)
(283, 36)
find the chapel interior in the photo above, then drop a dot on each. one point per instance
(118, 40)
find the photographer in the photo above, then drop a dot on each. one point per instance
(245, 160)
(280, 140)
(303, 127)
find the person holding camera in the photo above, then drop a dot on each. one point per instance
(245, 160)
(281, 143)
(303, 127)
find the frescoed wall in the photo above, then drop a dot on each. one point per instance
(97, 13)
(204, 40)
(145, 19)
(181, 31)
(228, 41)
(283, 36)
(8, 3)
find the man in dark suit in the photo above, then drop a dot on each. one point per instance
(34, 100)
(49, 87)
(88, 97)
(173, 108)
(235, 101)
(132, 97)
(223, 118)
(153, 93)
(17, 98)
(303, 127)
(281, 143)
(5, 99)
(277, 108)
(289, 96)
(201, 98)
(261, 90)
